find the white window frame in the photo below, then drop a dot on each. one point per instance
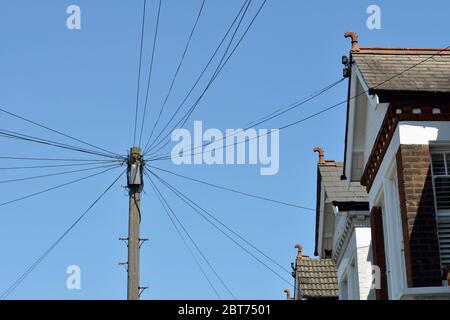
(445, 153)
(393, 233)
(442, 215)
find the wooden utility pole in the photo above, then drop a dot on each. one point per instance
(135, 185)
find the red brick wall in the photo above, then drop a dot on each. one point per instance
(418, 216)
(379, 258)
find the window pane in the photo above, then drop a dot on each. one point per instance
(447, 158)
(438, 163)
(442, 187)
(444, 239)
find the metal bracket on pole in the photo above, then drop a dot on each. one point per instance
(141, 290)
(125, 240)
(141, 241)
(123, 264)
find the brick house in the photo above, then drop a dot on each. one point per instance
(397, 145)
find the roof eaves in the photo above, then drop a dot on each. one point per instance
(387, 95)
(401, 51)
(351, 205)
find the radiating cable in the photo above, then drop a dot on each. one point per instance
(53, 159)
(139, 71)
(56, 166)
(215, 73)
(278, 113)
(55, 174)
(21, 136)
(150, 72)
(147, 146)
(233, 190)
(35, 264)
(175, 190)
(166, 157)
(178, 68)
(55, 131)
(177, 229)
(184, 119)
(223, 232)
(197, 247)
(55, 187)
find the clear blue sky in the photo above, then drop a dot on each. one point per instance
(83, 82)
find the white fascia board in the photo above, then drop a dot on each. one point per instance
(350, 125)
(424, 132)
(373, 103)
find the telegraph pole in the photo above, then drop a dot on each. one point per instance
(135, 185)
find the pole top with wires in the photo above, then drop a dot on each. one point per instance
(135, 169)
(135, 152)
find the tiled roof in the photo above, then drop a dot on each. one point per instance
(336, 189)
(428, 70)
(329, 177)
(317, 278)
